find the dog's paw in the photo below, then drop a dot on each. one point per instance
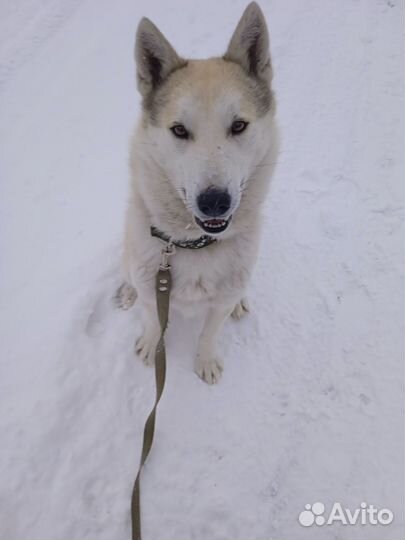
(125, 296)
(209, 369)
(240, 309)
(145, 348)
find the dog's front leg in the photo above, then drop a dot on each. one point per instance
(208, 365)
(146, 344)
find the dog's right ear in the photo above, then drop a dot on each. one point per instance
(249, 45)
(155, 57)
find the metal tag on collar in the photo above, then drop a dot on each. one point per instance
(167, 252)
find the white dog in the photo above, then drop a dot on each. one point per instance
(201, 159)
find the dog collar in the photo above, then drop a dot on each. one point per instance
(198, 243)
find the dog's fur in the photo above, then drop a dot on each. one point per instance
(169, 173)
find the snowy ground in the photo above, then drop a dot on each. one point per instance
(310, 407)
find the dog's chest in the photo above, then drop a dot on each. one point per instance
(207, 276)
(190, 285)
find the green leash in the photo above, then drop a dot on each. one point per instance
(163, 288)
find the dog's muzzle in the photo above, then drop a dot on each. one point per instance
(213, 204)
(214, 225)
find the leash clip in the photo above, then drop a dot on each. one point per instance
(167, 252)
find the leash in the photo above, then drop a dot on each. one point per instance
(163, 287)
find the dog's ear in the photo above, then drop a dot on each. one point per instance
(249, 45)
(155, 57)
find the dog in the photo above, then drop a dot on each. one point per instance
(201, 160)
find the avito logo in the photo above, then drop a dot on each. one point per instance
(366, 514)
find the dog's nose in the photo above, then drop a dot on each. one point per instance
(214, 202)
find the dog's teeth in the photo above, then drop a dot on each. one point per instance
(215, 225)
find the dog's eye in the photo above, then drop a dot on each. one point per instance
(238, 126)
(180, 131)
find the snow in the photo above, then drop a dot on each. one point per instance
(310, 407)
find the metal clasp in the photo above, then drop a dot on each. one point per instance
(167, 252)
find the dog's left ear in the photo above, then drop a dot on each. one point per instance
(249, 45)
(155, 57)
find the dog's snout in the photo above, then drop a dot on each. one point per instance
(214, 202)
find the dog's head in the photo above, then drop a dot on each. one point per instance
(205, 122)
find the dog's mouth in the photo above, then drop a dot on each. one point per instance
(214, 225)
